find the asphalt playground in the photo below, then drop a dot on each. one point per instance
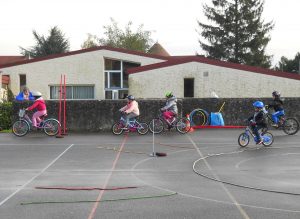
(204, 175)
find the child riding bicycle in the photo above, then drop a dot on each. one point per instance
(258, 121)
(277, 105)
(131, 110)
(40, 105)
(170, 109)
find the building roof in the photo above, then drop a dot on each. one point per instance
(132, 52)
(157, 49)
(200, 59)
(11, 59)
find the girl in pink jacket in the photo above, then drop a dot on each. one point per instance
(40, 105)
(131, 109)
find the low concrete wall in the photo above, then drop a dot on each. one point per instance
(94, 115)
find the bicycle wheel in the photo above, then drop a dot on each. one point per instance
(243, 139)
(117, 128)
(156, 126)
(20, 128)
(183, 125)
(143, 128)
(267, 139)
(51, 127)
(198, 117)
(290, 126)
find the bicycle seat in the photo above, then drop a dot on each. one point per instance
(43, 116)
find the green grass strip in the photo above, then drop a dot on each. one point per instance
(104, 200)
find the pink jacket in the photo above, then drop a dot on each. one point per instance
(39, 104)
(132, 107)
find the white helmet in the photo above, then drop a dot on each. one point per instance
(36, 94)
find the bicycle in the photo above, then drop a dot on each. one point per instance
(22, 126)
(158, 124)
(244, 138)
(134, 125)
(289, 125)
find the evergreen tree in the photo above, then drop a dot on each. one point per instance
(55, 43)
(237, 33)
(289, 65)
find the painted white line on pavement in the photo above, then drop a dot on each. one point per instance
(33, 178)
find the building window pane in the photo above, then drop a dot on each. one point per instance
(112, 64)
(73, 92)
(22, 82)
(123, 94)
(108, 94)
(126, 66)
(115, 80)
(106, 79)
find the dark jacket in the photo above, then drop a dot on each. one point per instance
(277, 104)
(259, 118)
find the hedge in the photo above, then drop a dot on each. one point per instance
(6, 115)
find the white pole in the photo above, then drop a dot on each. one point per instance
(153, 146)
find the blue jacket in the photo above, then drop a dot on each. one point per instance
(20, 97)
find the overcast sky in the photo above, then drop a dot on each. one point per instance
(173, 22)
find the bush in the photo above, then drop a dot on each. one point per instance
(6, 115)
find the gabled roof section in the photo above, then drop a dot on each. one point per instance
(132, 52)
(186, 59)
(11, 59)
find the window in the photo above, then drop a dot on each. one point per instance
(189, 87)
(22, 82)
(116, 78)
(74, 92)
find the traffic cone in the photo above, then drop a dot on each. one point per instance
(189, 128)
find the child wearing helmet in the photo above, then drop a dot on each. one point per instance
(131, 109)
(258, 120)
(170, 109)
(40, 105)
(277, 105)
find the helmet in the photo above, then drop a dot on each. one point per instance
(130, 97)
(275, 94)
(36, 94)
(169, 94)
(258, 104)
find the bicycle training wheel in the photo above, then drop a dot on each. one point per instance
(51, 127)
(156, 126)
(290, 126)
(143, 128)
(117, 128)
(243, 140)
(20, 128)
(183, 125)
(267, 139)
(199, 117)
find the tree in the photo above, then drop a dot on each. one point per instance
(92, 41)
(238, 33)
(139, 40)
(55, 43)
(289, 65)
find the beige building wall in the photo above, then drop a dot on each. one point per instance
(225, 82)
(80, 69)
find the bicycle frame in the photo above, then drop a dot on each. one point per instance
(133, 123)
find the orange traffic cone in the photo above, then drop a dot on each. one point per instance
(189, 128)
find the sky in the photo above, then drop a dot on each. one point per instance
(173, 22)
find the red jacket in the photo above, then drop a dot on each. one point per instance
(39, 104)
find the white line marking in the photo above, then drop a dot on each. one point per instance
(33, 178)
(241, 210)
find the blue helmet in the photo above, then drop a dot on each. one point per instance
(258, 104)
